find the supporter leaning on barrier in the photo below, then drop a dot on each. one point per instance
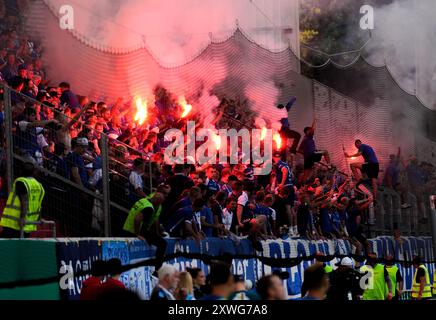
(23, 208)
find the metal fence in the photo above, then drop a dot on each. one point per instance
(101, 209)
(78, 209)
(409, 220)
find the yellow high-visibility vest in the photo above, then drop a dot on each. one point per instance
(426, 293)
(379, 289)
(12, 212)
(392, 271)
(434, 283)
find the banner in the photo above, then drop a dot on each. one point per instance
(139, 279)
(73, 257)
(79, 255)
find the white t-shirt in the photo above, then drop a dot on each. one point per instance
(243, 199)
(227, 217)
(135, 180)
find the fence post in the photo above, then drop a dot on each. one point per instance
(105, 183)
(8, 136)
(433, 222)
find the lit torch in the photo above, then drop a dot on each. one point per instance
(217, 141)
(186, 107)
(263, 134)
(141, 111)
(278, 140)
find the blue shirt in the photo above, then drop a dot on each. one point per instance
(280, 166)
(207, 213)
(326, 224)
(308, 146)
(368, 153)
(212, 187)
(75, 160)
(177, 220)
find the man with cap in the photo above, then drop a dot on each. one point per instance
(76, 163)
(344, 282)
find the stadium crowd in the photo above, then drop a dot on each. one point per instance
(56, 129)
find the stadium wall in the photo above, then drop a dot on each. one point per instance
(66, 261)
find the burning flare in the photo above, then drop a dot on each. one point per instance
(141, 111)
(278, 140)
(186, 107)
(217, 141)
(263, 134)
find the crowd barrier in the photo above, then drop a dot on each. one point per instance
(73, 258)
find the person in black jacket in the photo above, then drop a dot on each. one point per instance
(344, 282)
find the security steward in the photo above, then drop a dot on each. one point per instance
(379, 286)
(421, 287)
(395, 276)
(23, 207)
(143, 222)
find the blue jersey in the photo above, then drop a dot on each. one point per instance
(212, 187)
(368, 153)
(280, 165)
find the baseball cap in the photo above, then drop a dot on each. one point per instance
(82, 142)
(346, 262)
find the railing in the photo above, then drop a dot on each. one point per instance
(391, 216)
(101, 210)
(79, 210)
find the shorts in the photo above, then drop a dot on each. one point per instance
(310, 160)
(371, 170)
(290, 199)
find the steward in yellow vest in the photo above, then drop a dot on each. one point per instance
(143, 221)
(421, 287)
(23, 207)
(434, 283)
(379, 285)
(395, 276)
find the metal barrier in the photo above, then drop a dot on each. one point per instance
(100, 209)
(391, 216)
(78, 209)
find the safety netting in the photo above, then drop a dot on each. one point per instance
(370, 107)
